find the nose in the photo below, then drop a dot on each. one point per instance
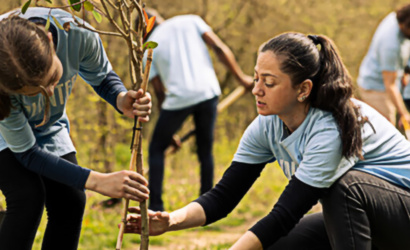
(257, 91)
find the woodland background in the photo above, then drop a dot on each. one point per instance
(102, 137)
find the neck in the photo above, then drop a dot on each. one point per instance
(294, 120)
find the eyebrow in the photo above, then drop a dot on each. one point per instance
(267, 74)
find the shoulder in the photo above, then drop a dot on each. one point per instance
(388, 32)
(319, 120)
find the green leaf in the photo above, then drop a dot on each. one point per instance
(150, 45)
(88, 6)
(58, 24)
(97, 16)
(48, 23)
(49, 1)
(25, 6)
(76, 7)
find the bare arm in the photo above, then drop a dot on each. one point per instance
(248, 241)
(389, 78)
(159, 90)
(226, 56)
(192, 215)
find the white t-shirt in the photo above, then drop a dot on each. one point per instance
(183, 63)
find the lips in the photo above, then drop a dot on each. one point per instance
(260, 104)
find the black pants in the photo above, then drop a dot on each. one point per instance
(169, 122)
(26, 195)
(360, 212)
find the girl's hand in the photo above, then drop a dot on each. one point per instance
(122, 184)
(135, 103)
(158, 222)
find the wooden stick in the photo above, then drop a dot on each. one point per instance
(222, 105)
(406, 127)
(136, 163)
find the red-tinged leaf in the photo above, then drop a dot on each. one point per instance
(67, 26)
(150, 24)
(25, 6)
(97, 16)
(145, 15)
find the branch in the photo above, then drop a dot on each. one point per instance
(112, 20)
(108, 33)
(61, 7)
(110, 3)
(125, 22)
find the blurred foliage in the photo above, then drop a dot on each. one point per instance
(102, 136)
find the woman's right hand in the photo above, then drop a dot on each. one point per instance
(122, 184)
(158, 222)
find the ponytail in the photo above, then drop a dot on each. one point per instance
(316, 58)
(332, 91)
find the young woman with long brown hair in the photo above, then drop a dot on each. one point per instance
(38, 160)
(331, 147)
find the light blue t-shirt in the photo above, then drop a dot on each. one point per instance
(183, 63)
(388, 51)
(313, 151)
(81, 52)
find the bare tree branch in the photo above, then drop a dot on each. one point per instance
(112, 20)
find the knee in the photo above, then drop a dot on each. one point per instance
(26, 196)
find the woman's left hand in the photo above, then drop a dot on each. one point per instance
(135, 103)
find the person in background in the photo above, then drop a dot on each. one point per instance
(330, 146)
(39, 168)
(381, 78)
(185, 83)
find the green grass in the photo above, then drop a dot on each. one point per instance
(181, 187)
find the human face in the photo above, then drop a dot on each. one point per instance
(273, 88)
(51, 79)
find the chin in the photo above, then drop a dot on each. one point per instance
(264, 113)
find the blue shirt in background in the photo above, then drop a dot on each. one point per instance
(81, 52)
(388, 51)
(313, 151)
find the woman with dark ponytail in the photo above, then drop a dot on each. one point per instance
(38, 164)
(331, 147)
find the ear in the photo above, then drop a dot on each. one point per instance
(50, 36)
(304, 90)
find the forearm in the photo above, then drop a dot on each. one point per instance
(192, 215)
(225, 196)
(226, 56)
(53, 167)
(248, 241)
(111, 89)
(294, 202)
(395, 97)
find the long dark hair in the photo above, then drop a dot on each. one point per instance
(26, 56)
(316, 58)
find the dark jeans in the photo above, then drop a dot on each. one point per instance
(169, 122)
(360, 212)
(407, 102)
(26, 194)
